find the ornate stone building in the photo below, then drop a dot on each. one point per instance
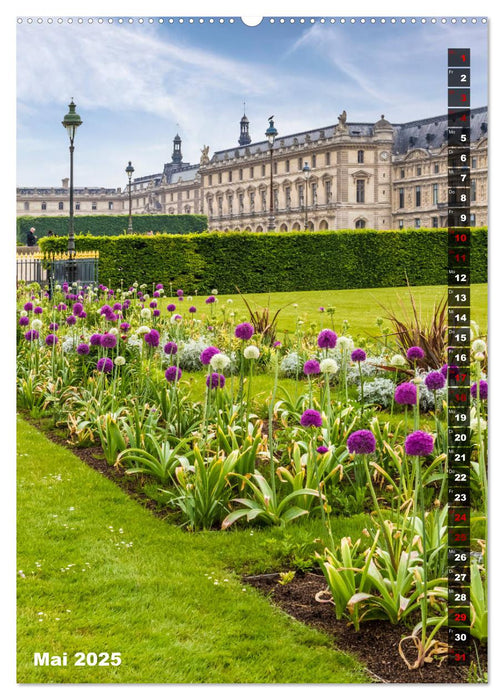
(346, 175)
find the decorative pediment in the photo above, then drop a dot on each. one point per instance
(360, 174)
(417, 154)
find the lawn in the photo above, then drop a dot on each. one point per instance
(360, 307)
(99, 573)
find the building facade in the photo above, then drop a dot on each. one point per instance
(347, 175)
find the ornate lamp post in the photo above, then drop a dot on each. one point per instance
(71, 121)
(306, 173)
(271, 134)
(129, 172)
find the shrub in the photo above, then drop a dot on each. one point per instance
(279, 262)
(111, 225)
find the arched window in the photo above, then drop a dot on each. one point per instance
(323, 226)
(60, 206)
(296, 226)
(310, 226)
(360, 223)
(283, 227)
(259, 229)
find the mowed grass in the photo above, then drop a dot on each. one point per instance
(171, 602)
(360, 307)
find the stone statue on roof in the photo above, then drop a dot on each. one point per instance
(204, 159)
(342, 124)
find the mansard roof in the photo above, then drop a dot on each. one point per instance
(421, 133)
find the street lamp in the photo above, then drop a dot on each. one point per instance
(306, 173)
(129, 172)
(71, 121)
(271, 134)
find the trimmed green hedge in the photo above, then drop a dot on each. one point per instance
(110, 225)
(279, 262)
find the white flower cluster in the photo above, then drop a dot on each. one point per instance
(69, 344)
(368, 369)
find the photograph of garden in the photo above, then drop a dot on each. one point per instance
(233, 375)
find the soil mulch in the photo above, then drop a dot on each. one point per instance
(375, 645)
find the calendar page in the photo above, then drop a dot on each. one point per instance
(252, 365)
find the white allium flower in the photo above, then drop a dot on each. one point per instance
(145, 313)
(146, 297)
(58, 287)
(417, 380)
(220, 361)
(229, 301)
(474, 425)
(479, 356)
(344, 343)
(36, 324)
(251, 352)
(119, 361)
(176, 318)
(135, 284)
(398, 361)
(113, 331)
(328, 366)
(189, 298)
(214, 291)
(143, 329)
(479, 346)
(295, 305)
(232, 314)
(24, 313)
(143, 286)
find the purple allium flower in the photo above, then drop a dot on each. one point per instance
(38, 310)
(419, 444)
(53, 326)
(180, 292)
(108, 340)
(105, 364)
(105, 309)
(311, 419)
(192, 309)
(322, 450)
(78, 308)
(83, 349)
(156, 313)
(327, 338)
(71, 320)
(156, 295)
(277, 344)
(210, 299)
(311, 367)
(173, 373)
(95, 339)
(32, 335)
(321, 309)
(152, 338)
(171, 307)
(415, 353)
(170, 348)
(181, 298)
(434, 381)
(51, 339)
(406, 394)
(126, 304)
(117, 306)
(159, 286)
(125, 326)
(177, 317)
(444, 370)
(358, 355)
(83, 314)
(483, 390)
(215, 380)
(61, 307)
(153, 304)
(64, 286)
(362, 442)
(28, 306)
(244, 331)
(208, 353)
(24, 321)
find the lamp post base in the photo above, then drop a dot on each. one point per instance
(71, 270)
(271, 222)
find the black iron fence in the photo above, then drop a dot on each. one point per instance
(50, 269)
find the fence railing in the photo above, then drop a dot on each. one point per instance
(50, 269)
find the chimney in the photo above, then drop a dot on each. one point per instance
(64, 182)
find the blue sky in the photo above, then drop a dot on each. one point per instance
(133, 84)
